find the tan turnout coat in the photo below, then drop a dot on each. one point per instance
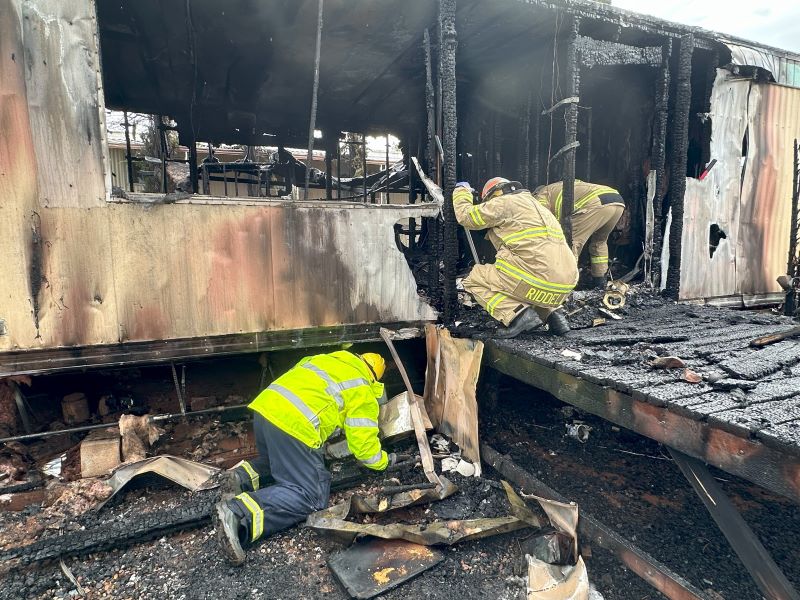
(534, 265)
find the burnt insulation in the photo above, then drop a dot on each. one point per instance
(573, 75)
(447, 20)
(680, 146)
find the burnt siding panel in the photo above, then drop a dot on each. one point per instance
(715, 200)
(18, 189)
(774, 123)
(66, 107)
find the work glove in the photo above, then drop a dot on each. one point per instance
(464, 184)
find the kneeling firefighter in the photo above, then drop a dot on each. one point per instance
(319, 397)
(597, 211)
(534, 271)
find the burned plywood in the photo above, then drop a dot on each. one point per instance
(743, 417)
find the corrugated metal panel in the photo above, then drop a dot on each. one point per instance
(785, 68)
(715, 200)
(774, 123)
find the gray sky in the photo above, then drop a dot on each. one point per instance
(776, 23)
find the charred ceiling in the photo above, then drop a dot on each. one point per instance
(235, 71)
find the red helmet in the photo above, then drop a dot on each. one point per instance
(492, 186)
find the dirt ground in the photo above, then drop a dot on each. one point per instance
(629, 483)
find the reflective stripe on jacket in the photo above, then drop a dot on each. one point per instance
(551, 196)
(530, 243)
(323, 394)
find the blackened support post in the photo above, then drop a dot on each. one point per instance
(328, 166)
(588, 143)
(534, 175)
(573, 74)
(364, 163)
(768, 576)
(525, 142)
(338, 167)
(128, 157)
(659, 154)
(430, 107)
(314, 92)
(680, 145)
(387, 167)
(792, 264)
(162, 136)
(193, 174)
(447, 76)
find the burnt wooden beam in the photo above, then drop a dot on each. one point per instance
(39, 362)
(680, 146)
(573, 76)
(757, 560)
(659, 154)
(447, 77)
(737, 454)
(655, 573)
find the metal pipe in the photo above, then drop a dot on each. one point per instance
(153, 419)
(313, 121)
(338, 169)
(128, 156)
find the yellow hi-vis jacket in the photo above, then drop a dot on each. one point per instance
(587, 195)
(530, 244)
(322, 395)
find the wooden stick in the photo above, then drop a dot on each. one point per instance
(416, 413)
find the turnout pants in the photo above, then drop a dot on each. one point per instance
(503, 296)
(594, 225)
(301, 482)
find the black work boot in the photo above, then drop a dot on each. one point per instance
(226, 526)
(230, 482)
(599, 282)
(524, 321)
(557, 323)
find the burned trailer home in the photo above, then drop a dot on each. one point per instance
(194, 196)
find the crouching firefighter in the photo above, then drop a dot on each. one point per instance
(318, 398)
(534, 271)
(597, 211)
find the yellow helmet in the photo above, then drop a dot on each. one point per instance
(375, 363)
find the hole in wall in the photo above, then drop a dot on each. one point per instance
(715, 236)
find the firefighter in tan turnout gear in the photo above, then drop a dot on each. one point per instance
(598, 209)
(534, 271)
(294, 416)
